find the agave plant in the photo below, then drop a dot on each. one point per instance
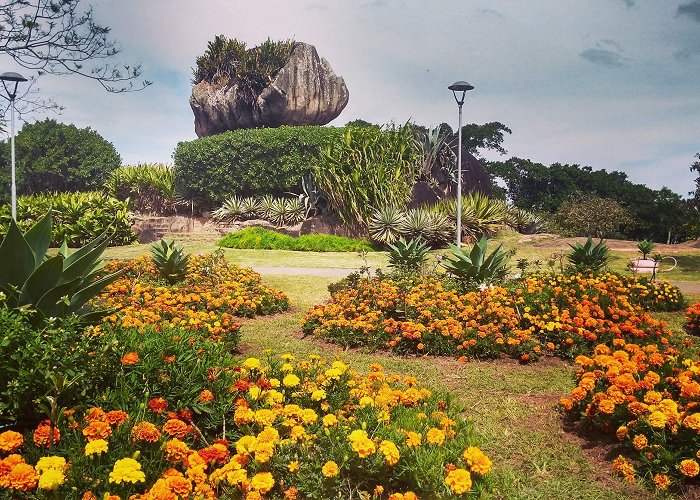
(250, 207)
(475, 267)
(589, 257)
(481, 216)
(296, 212)
(385, 223)
(230, 211)
(523, 221)
(266, 206)
(417, 224)
(170, 260)
(51, 287)
(408, 257)
(278, 212)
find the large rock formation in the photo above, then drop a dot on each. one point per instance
(306, 91)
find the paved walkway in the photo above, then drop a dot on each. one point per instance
(692, 287)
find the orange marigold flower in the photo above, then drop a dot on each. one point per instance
(43, 437)
(291, 493)
(130, 358)
(477, 460)
(145, 431)
(689, 468)
(214, 453)
(97, 430)
(179, 485)
(176, 451)
(22, 477)
(206, 396)
(640, 442)
(662, 481)
(158, 405)
(176, 428)
(10, 441)
(459, 481)
(116, 417)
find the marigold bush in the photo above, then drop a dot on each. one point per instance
(557, 314)
(296, 429)
(692, 318)
(649, 398)
(207, 301)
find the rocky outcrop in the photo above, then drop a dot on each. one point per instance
(306, 91)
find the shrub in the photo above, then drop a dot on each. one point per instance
(59, 360)
(367, 169)
(249, 162)
(149, 187)
(265, 239)
(77, 217)
(55, 156)
(590, 215)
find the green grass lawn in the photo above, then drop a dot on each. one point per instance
(513, 406)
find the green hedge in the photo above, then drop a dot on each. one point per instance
(259, 238)
(249, 162)
(78, 218)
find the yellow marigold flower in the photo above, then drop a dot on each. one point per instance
(243, 415)
(291, 380)
(273, 397)
(286, 367)
(459, 481)
(246, 445)
(293, 466)
(330, 420)
(48, 463)
(252, 363)
(366, 401)
(435, 436)
(51, 479)
(263, 452)
(662, 481)
(96, 447)
(657, 419)
(265, 417)
(10, 441)
(269, 435)
(477, 460)
(262, 482)
(413, 439)
(254, 391)
(390, 452)
(692, 421)
(689, 468)
(309, 416)
(318, 395)
(622, 432)
(330, 469)
(127, 470)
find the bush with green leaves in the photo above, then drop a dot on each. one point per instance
(149, 187)
(56, 156)
(249, 162)
(367, 169)
(265, 239)
(170, 260)
(589, 257)
(57, 360)
(476, 266)
(77, 217)
(408, 257)
(51, 287)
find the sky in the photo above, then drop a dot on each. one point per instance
(611, 84)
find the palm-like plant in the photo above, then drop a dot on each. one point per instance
(476, 266)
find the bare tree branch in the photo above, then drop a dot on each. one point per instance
(59, 38)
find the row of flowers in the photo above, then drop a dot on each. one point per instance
(649, 398)
(207, 301)
(557, 314)
(296, 429)
(692, 318)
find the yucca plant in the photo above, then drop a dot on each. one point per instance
(475, 266)
(232, 210)
(385, 223)
(296, 212)
(523, 221)
(52, 287)
(408, 257)
(442, 229)
(645, 247)
(170, 260)
(417, 224)
(481, 216)
(250, 207)
(265, 208)
(278, 212)
(589, 257)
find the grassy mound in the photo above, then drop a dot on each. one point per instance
(259, 238)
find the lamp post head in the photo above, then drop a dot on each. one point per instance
(460, 86)
(11, 76)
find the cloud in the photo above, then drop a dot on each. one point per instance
(490, 13)
(629, 3)
(603, 57)
(691, 9)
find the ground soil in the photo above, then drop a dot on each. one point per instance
(557, 242)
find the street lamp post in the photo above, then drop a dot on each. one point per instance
(460, 86)
(16, 78)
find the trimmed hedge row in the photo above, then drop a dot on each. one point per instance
(264, 239)
(249, 162)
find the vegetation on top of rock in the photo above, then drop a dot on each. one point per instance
(228, 61)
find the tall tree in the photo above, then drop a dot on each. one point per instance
(695, 167)
(61, 37)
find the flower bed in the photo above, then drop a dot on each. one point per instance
(207, 301)
(292, 429)
(649, 399)
(692, 319)
(558, 314)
